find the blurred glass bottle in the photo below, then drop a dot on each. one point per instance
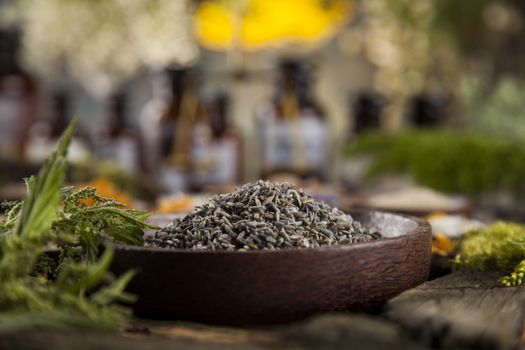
(216, 153)
(18, 99)
(367, 113)
(428, 111)
(293, 131)
(119, 141)
(44, 134)
(166, 127)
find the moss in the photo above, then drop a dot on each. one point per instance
(498, 247)
(448, 161)
(493, 248)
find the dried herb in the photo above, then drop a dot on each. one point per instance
(82, 293)
(103, 219)
(262, 215)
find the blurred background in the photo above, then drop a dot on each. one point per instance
(415, 106)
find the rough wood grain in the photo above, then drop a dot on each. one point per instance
(462, 310)
(459, 311)
(322, 332)
(340, 331)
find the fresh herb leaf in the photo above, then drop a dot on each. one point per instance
(77, 291)
(44, 190)
(103, 220)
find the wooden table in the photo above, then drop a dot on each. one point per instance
(457, 311)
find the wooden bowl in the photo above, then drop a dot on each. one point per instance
(279, 286)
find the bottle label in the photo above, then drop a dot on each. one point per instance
(10, 109)
(215, 162)
(123, 151)
(299, 143)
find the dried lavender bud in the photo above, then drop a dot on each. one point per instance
(261, 215)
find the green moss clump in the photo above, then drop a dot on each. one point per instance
(498, 247)
(493, 248)
(449, 161)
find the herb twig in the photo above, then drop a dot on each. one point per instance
(83, 292)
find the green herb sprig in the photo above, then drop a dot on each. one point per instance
(105, 219)
(82, 293)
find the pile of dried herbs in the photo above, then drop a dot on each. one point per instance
(76, 289)
(499, 247)
(262, 215)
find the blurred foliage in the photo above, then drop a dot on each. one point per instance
(474, 29)
(119, 37)
(429, 46)
(463, 20)
(107, 189)
(93, 169)
(497, 247)
(388, 28)
(410, 54)
(485, 33)
(499, 111)
(450, 161)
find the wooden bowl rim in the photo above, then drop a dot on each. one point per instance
(422, 227)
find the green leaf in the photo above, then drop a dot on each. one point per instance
(44, 190)
(128, 234)
(57, 216)
(90, 275)
(115, 291)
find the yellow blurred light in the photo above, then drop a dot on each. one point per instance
(178, 204)
(442, 245)
(263, 23)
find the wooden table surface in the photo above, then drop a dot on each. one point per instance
(457, 311)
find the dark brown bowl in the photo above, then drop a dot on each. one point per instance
(279, 286)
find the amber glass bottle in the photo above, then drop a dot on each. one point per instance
(118, 141)
(216, 154)
(44, 134)
(168, 124)
(293, 131)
